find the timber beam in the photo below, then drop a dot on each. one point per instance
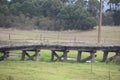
(91, 57)
(5, 55)
(59, 58)
(34, 57)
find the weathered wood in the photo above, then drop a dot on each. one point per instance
(93, 56)
(65, 56)
(37, 55)
(60, 47)
(79, 56)
(115, 59)
(29, 57)
(86, 59)
(33, 57)
(105, 55)
(54, 54)
(23, 55)
(6, 55)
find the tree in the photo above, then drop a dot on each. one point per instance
(107, 19)
(76, 17)
(115, 10)
(93, 7)
(47, 14)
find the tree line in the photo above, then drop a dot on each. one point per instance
(52, 14)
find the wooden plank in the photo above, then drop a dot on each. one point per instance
(79, 56)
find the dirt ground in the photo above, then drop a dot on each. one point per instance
(108, 35)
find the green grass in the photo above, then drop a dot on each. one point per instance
(13, 69)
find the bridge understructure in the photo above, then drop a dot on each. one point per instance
(60, 47)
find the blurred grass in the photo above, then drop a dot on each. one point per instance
(44, 69)
(13, 69)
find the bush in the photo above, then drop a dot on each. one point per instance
(5, 21)
(75, 17)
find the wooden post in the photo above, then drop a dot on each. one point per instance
(52, 55)
(100, 22)
(55, 54)
(9, 37)
(6, 55)
(37, 55)
(117, 53)
(105, 55)
(79, 56)
(65, 56)
(23, 55)
(92, 56)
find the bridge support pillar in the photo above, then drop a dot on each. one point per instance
(93, 56)
(59, 58)
(89, 58)
(37, 55)
(34, 57)
(79, 56)
(53, 56)
(65, 56)
(23, 55)
(105, 55)
(5, 55)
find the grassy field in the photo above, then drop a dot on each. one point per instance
(13, 69)
(108, 35)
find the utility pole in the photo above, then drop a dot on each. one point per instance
(100, 22)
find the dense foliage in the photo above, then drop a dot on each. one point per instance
(114, 10)
(49, 14)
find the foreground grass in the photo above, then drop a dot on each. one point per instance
(13, 69)
(29, 70)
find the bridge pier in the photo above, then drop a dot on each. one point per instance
(115, 58)
(105, 55)
(59, 58)
(91, 57)
(5, 55)
(79, 56)
(34, 57)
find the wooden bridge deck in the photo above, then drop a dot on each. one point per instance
(60, 46)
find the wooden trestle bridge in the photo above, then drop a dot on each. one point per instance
(62, 47)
